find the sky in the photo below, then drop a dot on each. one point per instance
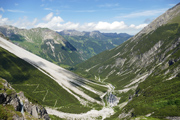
(112, 16)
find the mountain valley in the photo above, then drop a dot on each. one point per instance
(45, 43)
(144, 69)
(132, 79)
(91, 43)
(53, 47)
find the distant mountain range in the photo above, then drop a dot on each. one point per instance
(75, 48)
(45, 43)
(139, 79)
(91, 43)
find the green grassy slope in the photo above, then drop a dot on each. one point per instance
(150, 62)
(36, 86)
(89, 46)
(44, 43)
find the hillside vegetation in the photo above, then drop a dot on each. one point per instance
(144, 70)
(45, 43)
(37, 87)
(92, 43)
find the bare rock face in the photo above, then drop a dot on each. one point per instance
(15, 102)
(9, 96)
(36, 111)
(20, 102)
(16, 117)
(2, 98)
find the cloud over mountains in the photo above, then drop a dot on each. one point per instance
(58, 24)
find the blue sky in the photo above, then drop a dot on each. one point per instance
(121, 16)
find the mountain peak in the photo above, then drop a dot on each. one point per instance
(71, 33)
(96, 31)
(144, 70)
(170, 16)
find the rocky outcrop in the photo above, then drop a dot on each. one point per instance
(8, 96)
(36, 111)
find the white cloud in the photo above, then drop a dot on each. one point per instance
(110, 26)
(51, 22)
(109, 5)
(144, 13)
(57, 23)
(16, 4)
(34, 21)
(57, 19)
(25, 23)
(20, 23)
(48, 9)
(48, 17)
(4, 21)
(138, 26)
(15, 11)
(1, 9)
(88, 11)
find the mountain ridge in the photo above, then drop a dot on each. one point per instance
(70, 93)
(91, 43)
(170, 14)
(138, 79)
(45, 43)
(135, 67)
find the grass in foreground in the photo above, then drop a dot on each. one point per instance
(36, 86)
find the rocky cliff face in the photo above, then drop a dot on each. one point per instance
(35, 110)
(8, 96)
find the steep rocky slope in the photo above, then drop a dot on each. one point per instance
(16, 106)
(89, 44)
(144, 70)
(45, 43)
